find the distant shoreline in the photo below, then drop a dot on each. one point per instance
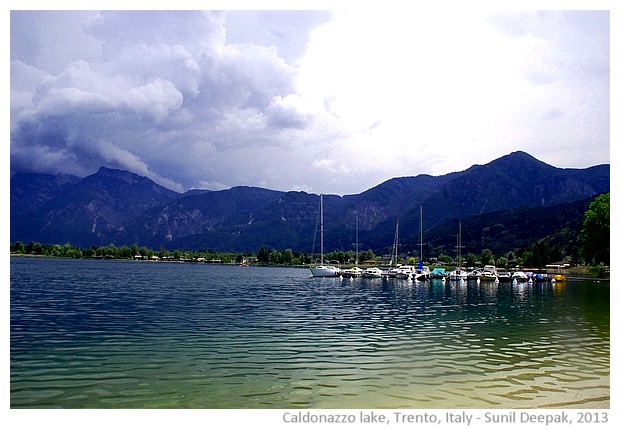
(573, 274)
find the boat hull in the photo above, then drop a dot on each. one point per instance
(352, 273)
(489, 274)
(325, 271)
(422, 273)
(520, 277)
(457, 275)
(372, 273)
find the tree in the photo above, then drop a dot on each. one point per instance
(274, 257)
(595, 231)
(538, 256)
(527, 258)
(287, 256)
(19, 247)
(263, 255)
(470, 260)
(367, 255)
(34, 248)
(124, 252)
(487, 257)
(444, 258)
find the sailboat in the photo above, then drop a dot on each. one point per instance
(394, 267)
(355, 271)
(459, 273)
(422, 272)
(323, 270)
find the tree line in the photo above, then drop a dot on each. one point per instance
(123, 252)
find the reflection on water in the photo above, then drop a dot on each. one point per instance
(105, 334)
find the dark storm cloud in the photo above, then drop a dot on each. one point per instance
(161, 86)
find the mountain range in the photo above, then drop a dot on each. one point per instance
(120, 207)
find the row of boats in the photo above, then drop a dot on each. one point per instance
(422, 273)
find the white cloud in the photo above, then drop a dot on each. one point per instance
(155, 100)
(449, 91)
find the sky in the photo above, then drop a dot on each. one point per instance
(323, 101)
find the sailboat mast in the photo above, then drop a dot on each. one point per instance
(357, 240)
(459, 247)
(421, 234)
(396, 239)
(321, 209)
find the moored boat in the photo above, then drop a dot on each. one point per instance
(520, 277)
(422, 272)
(458, 275)
(405, 272)
(504, 276)
(542, 277)
(394, 265)
(323, 270)
(355, 271)
(474, 275)
(372, 273)
(438, 273)
(488, 274)
(393, 272)
(351, 273)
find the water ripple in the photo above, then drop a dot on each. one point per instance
(106, 334)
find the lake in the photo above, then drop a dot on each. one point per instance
(127, 334)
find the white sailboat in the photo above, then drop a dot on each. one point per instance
(355, 271)
(394, 266)
(422, 272)
(459, 273)
(323, 270)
